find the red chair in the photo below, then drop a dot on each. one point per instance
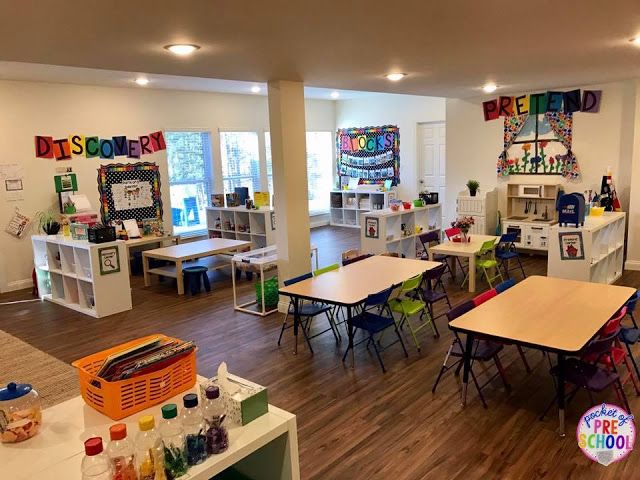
(617, 355)
(484, 296)
(452, 233)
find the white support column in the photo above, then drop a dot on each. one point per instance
(288, 151)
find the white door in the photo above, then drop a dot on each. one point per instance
(432, 158)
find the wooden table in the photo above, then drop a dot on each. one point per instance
(266, 448)
(350, 285)
(149, 240)
(190, 251)
(463, 249)
(545, 313)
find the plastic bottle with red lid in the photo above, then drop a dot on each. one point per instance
(95, 464)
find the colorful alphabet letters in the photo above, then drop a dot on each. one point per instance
(104, 148)
(568, 102)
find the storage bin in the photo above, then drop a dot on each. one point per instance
(122, 398)
(270, 293)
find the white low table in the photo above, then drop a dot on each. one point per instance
(178, 254)
(266, 448)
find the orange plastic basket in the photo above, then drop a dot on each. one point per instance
(120, 399)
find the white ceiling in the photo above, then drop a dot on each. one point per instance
(112, 78)
(448, 48)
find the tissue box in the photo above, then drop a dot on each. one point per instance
(245, 406)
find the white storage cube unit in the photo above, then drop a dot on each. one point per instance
(603, 248)
(382, 231)
(347, 206)
(238, 223)
(483, 208)
(68, 273)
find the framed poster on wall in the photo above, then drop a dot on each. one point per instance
(372, 229)
(129, 191)
(571, 246)
(109, 259)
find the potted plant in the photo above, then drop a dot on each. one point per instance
(464, 224)
(48, 223)
(473, 186)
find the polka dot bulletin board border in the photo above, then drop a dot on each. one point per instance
(108, 175)
(370, 153)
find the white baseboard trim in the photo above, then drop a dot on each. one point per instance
(319, 223)
(632, 265)
(19, 285)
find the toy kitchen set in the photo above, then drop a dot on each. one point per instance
(531, 210)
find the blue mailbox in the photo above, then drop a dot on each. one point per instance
(571, 209)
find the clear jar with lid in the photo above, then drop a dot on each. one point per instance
(20, 412)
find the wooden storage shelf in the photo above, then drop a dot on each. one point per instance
(603, 245)
(347, 206)
(68, 274)
(259, 232)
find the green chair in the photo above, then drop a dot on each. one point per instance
(485, 260)
(329, 268)
(408, 304)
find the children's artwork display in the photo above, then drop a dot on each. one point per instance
(129, 191)
(538, 131)
(371, 154)
(18, 224)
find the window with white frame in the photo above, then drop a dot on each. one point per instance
(189, 161)
(240, 156)
(319, 169)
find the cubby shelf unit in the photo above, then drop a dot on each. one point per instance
(255, 226)
(390, 234)
(68, 274)
(347, 206)
(603, 243)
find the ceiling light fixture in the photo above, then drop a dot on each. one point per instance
(394, 77)
(182, 49)
(255, 89)
(490, 88)
(335, 94)
(142, 81)
(635, 41)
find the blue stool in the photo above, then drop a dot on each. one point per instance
(192, 276)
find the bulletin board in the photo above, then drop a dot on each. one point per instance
(371, 154)
(129, 191)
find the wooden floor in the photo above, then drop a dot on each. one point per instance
(352, 424)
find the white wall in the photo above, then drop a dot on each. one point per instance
(633, 232)
(405, 111)
(600, 139)
(29, 109)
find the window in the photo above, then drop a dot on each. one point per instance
(189, 159)
(319, 169)
(240, 161)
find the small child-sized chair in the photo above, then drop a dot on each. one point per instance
(506, 251)
(486, 259)
(192, 276)
(409, 307)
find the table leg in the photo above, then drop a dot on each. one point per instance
(233, 285)
(467, 367)
(317, 259)
(430, 255)
(561, 394)
(145, 270)
(472, 273)
(296, 323)
(453, 264)
(179, 277)
(351, 332)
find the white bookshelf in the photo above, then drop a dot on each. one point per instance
(68, 274)
(347, 206)
(603, 241)
(238, 223)
(390, 234)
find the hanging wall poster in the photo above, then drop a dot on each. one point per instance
(129, 191)
(371, 154)
(371, 227)
(571, 246)
(18, 224)
(109, 260)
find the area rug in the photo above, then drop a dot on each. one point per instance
(54, 380)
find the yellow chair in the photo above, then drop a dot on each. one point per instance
(408, 304)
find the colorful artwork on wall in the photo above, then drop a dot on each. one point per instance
(129, 191)
(371, 154)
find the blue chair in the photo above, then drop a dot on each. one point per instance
(375, 318)
(506, 251)
(308, 311)
(630, 336)
(483, 350)
(506, 285)
(193, 276)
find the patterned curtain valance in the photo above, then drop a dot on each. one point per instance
(512, 127)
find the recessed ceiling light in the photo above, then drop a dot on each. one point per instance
(335, 94)
(255, 89)
(490, 88)
(182, 49)
(142, 81)
(635, 41)
(394, 77)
